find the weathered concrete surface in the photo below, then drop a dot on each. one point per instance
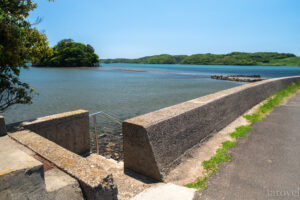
(69, 130)
(56, 184)
(61, 186)
(21, 176)
(129, 183)
(265, 165)
(164, 191)
(95, 183)
(154, 142)
(8, 143)
(2, 126)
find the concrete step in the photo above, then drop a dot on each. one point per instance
(61, 186)
(21, 176)
(137, 187)
(166, 191)
(24, 175)
(95, 182)
(129, 183)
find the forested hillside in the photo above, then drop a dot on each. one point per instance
(234, 58)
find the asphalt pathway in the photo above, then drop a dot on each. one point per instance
(266, 164)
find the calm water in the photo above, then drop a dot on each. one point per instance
(126, 94)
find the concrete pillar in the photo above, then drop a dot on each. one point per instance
(2, 126)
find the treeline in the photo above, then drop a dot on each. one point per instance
(234, 58)
(158, 59)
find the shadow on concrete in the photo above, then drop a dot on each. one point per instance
(139, 177)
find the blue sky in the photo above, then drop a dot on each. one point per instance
(136, 28)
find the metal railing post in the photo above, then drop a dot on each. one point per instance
(95, 125)
(96, 135)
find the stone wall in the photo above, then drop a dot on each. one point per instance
(69, 130)
(154, 142)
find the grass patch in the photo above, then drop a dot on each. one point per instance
(253, 118)
(273, 102)
(221, 155)
(200, 183)
(211, 166)
(241, 131)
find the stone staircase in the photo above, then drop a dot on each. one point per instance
(28, 174)
(22, 176)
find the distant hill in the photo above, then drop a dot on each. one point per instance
(234, 58)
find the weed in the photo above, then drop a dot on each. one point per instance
(241, 131)
(211, 166)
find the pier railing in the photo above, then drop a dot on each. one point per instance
(94, 116)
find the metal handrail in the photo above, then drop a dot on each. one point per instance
(94, 115)
(107, 116)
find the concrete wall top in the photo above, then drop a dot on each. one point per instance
(153, 143)
(55, 117)
(69, 130)
(154, 117)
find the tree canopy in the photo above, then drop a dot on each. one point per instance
(234, 58)
(20, 43)
(68, 53)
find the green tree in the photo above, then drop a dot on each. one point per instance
(20, 43)
(68, 53)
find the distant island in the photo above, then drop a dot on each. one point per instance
(68, 53)
(234, 58)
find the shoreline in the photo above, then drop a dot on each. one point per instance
(86, 67)
(136, 70)
(205, 65)
(65, 67)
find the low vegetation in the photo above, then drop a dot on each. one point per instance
(241, 131)
(234, 58)
(211, 166)
(272, 102)
(158, 59)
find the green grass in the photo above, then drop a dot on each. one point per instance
(199, 184)
(253, 118)
(272, 102)
(221, 155)
(241, 131)
(211, 166)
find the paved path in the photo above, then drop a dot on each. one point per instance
(266, 164)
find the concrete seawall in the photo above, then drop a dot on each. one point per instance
(154, 142)
(69, 130)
